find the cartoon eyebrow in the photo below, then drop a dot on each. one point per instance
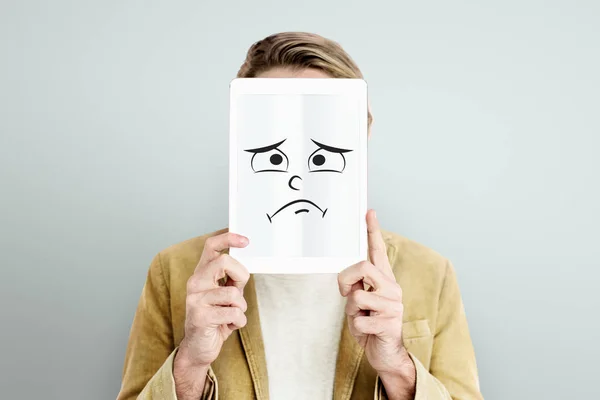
(330, 148)
(266, 148)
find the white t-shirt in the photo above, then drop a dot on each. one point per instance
(301, 319)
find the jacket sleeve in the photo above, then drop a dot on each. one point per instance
(148, 369)
(453, 371)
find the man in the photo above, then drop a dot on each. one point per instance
(206, 329)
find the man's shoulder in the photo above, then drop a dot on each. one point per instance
(413, 259)
(420, 271)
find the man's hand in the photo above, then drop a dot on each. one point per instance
(213, 312)
(375, 315)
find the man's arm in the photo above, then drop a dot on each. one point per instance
(453, 371)
(148, 370)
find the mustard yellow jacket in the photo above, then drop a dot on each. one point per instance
(435, 334)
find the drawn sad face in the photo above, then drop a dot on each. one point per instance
(273, 159)
(297, 161)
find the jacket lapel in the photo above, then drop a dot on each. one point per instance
(349, 357)
(252, 342)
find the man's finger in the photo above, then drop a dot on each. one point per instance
(369, 274)
(357, 286)
(225, 265)
(377, 248)
(214, 245)
(362, 300)
(225, 296)
(208, 276)
(226, 315)
(378, 325)
(238, 322)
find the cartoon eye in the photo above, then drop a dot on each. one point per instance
(327, 159)
(269, 159)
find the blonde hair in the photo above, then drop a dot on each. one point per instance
(300, 50)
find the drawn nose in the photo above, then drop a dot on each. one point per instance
(291, 182)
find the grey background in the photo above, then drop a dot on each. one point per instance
(113, 122)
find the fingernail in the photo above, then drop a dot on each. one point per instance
(243, 240)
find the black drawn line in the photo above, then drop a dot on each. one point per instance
(270, 217)
(291, 180)
(330, 170)
(266, 148)
(269, 170)
(330, 148)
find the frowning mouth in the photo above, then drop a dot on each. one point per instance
(299, 211)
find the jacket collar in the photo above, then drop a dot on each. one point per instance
(348, 360)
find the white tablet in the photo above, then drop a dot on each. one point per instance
(298, 173)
